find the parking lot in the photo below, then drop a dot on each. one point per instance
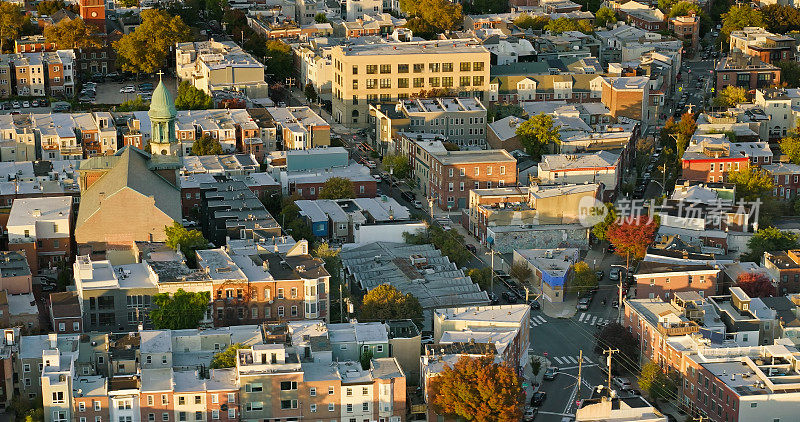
(109, 92)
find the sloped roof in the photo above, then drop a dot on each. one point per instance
(131, 170)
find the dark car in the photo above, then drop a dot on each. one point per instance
(98, 77)
(510, 297)
(535, 305)
(550, 373)
(611, 248)
(493, 298)
(408, 195)
(538, 398)
(600, 274)
(472, 248)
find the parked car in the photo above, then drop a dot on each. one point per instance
(535, 305)
(48, 287)
(530, 414)
(114, 76)
(623, 383)
(493, 298)
(98, 77)
(16, 104)
(550, 373)
(538, 398)
(472, 248)
(611, 248)
(417, 204)
(127, 89)
(613, 275)
(408, 195)
(600, 274)
(35, 103)
(6, 106)
(510, 297)
(583, 304)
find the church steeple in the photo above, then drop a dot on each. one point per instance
(162, 120)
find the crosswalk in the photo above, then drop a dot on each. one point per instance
(569, 360)
(537, 320)
(590, 319)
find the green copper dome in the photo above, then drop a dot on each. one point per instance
(162, 106)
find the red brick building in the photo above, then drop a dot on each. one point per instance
(656, 279)
(786, 178)
(454, 174)
(687, 29)
(626, 96)
(65, 313)
(745, 71)
(784, 266)
(709, 158)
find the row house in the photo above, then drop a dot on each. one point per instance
(599, 167)
(784, 267)
(233, 128)
(758, 42)
(687, 29)
(461, 121)
(655, 279)
(779, 106)
(306, 184)
(57, 136)
(640, 15)
(544, 87)
(230, 210)
(786, 179)
(261, 184)
(287, 370)
(42, 229)
(265, 286)
(33, 44)
(42, 74)
(300, 127)
(454, 173)
(745, 71)
(709, 157)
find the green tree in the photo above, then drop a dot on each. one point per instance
(483, 7)
(537, 133)
(526, 21)
(656, 383)
(739, 17)
(147, 47)
(366, 359)
(435, 15)
(34, 415)
(421, 28)
(790, 147)
(769, 239)
(751, 183)
(279, 59)
(685, 8)
(12, 19)
(321, 18)
(135, 104)
(398, 165)
(599, 229)
(292, 222)
(666, 5)
(333, 264)
(337, 188)
(206, 145)
(191, 98)
(227, 357)
(188, 241)
(583, 277)
(481, 276)
(561, 25)
(129, 3)
(790, 73)
(310, 93)
(183, 310)
(605, 17)
(478, 389)
(49, 7)
(781, 19)
(730, 96)
(385, 302)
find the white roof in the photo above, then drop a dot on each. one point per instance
(50, 208)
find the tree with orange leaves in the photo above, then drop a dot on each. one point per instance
(477, 389)
(632, 236)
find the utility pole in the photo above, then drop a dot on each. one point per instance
(610, 352)
(580, 367)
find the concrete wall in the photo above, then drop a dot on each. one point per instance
(386, 232)
(540, 237)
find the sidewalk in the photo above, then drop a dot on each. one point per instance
(565, 309)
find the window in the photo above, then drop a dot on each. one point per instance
(215, 414)
(288, 404)
(434, 82)
(447, 82)
(386, 68)
(466, 66)
(386, 83)
(181, 416)
(81, 407)
(372, 69)
(280, 293)
(364, 391)
(330, 390)
(288, 385)
(330, 407)
(293, 311)
(198, 400)
(365, 407)
(349, 392)
(433, 67)
(231, 397)
(256, 405)
(349, 408)
(372, 83)
(402, 83)
(96, 405)
(402, 68)
(477, 66)
(150, 399)
(181, 400)
(419, 82)
(151, 417)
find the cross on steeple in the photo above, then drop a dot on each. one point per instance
(159, 73)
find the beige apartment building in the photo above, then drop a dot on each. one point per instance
(368, 74)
